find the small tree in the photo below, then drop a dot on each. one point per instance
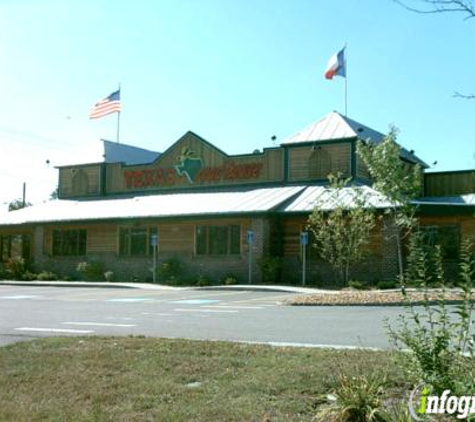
(55, 194)
(397, 180)
(342, 234)
(17, 204)
(438, 339)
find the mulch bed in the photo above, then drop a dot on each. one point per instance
(371, 298)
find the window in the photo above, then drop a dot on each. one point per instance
(448, 237)
(218, 240)
(319, 163)
(69, 242)
(135, 241)
(15, 246)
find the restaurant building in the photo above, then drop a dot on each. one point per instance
(201, 204)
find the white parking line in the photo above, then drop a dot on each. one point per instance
(232, 307)
(100, 324)
(208, 294)
(206, 311)
(54, 330)
(271, 300)
(130, 299)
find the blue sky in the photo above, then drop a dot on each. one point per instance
(234, 72)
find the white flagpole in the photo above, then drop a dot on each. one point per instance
(118, 119)
(346, 79)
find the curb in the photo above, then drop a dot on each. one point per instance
(144, 286)
(258, 288)
(90, 284)
(65, 284)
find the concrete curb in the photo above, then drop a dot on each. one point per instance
(146, 286)
(261, 288)
(81, 284)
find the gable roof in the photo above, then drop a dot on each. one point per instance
(128, 154)
(192, 135)
(331, 127)
(335, 126)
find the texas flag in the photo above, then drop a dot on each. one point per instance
(336, 65)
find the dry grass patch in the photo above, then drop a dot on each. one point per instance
(142, 379)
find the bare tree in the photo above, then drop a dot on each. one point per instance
(466, 97)
(465, 7)
(439, 6)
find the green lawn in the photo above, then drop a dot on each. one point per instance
(144, 379)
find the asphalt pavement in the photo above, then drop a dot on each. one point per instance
(239, 313)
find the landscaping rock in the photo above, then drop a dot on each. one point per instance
(373, 298)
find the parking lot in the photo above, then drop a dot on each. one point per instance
(28, 312)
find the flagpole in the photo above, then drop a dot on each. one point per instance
(346, 80)
(118, 121)
(118, 126)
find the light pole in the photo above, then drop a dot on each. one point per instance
(154, 243)
(303, 244)
(250, 242)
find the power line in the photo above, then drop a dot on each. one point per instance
(35, 137)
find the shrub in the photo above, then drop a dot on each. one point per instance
(229, 280)
(91, 271)
(387, 284)
(3, 273)
(109, 275)
(398, 412)
(438, 338)
(170, 271)
(15, 268)
(271, 267)
(29, 276)
(358, 285)
(47, 276)
(203, 281)
(355, 399)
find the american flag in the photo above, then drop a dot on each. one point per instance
(108, 105)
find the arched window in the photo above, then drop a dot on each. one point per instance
(80, 182)
(319, 163)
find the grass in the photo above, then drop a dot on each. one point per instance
(144, 379)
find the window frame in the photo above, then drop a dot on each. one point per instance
(233, 240)
(125, 232)
(66, 246)
(451, 254)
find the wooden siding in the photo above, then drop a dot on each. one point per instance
(449, 183)
(174, 236)
(102, 238)
(292, 227)
(77, 181)
(316, 163)
(291, 235)
(465, 222)
(217, 169)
